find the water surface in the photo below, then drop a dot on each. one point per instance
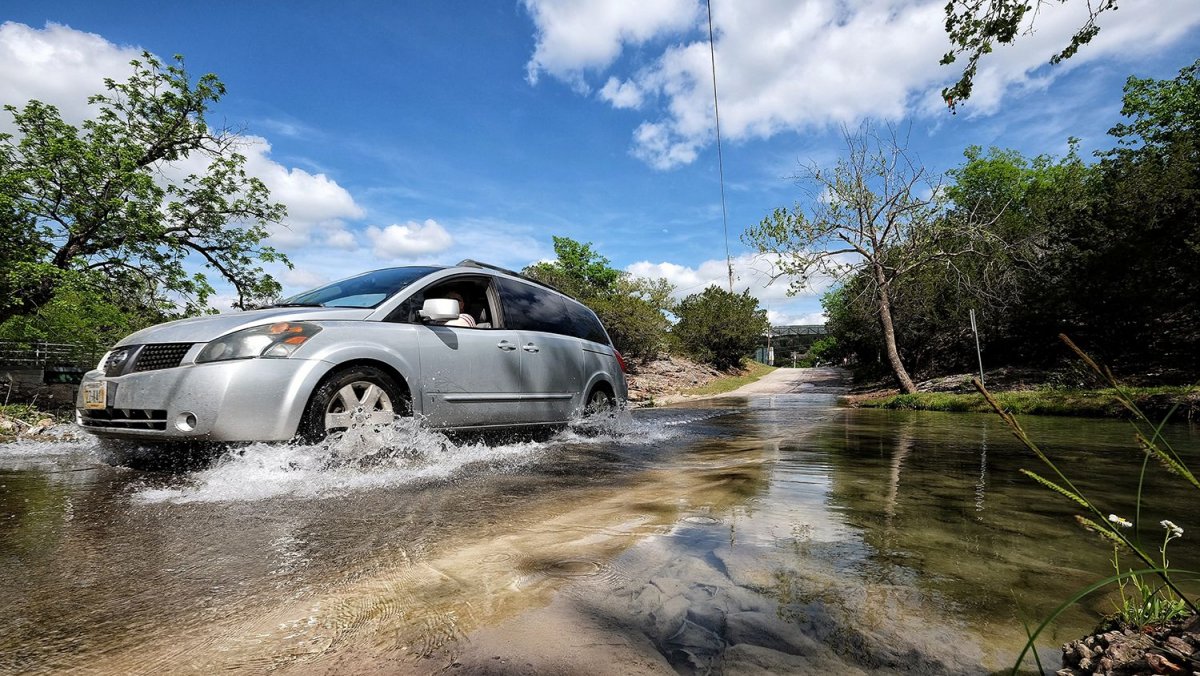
(776, 532)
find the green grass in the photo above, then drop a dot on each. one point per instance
(753, 372)
(1154, 401)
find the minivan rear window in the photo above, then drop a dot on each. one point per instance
(587, 326)
(529, 308)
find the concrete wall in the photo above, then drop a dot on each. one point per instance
(27, 385)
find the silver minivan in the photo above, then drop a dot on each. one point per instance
(470, 346)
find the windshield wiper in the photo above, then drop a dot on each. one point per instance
(298, 305)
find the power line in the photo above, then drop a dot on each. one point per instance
(712, 53)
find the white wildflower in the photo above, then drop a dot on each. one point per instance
(1123, 523)
(1172, 529)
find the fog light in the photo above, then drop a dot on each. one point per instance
(185, 422)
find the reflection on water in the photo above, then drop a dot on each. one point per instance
(774, 533)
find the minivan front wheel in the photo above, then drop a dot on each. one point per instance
(359, 397)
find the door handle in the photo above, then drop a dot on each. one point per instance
(530, 347)
(506, 346)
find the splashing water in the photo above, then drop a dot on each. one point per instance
(405, 452)
(619, 426)
(72, 451)
(402, 453)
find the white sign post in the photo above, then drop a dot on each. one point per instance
(978, 352)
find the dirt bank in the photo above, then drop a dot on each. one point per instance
(652, 381)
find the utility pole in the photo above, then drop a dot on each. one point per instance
(712, 54)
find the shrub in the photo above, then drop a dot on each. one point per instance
(720, 327)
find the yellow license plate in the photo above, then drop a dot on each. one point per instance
(95, 394)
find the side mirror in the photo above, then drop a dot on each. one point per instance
(440, 309)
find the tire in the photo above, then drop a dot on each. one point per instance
(599, 401)
(353, 397)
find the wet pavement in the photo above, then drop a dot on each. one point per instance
(744, 534)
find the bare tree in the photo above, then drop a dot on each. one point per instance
(877, 211)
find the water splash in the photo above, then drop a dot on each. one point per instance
(619, 426)
(53, 451)
(403, 453)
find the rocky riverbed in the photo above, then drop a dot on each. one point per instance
(1174, 649)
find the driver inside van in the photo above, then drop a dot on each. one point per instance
(464, 319)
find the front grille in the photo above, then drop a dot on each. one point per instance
(125, 418)
(160, 356)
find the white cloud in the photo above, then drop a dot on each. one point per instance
(788, 66)
(788, 319)
(57, 65)
(756, 272)
(316, 204)
(574, 36)
(409, 241)
(620, 94)
(341, 239)
(301, 278)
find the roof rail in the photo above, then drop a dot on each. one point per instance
(469, 263)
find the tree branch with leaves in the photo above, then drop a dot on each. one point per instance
(975, 27)
(93, 203)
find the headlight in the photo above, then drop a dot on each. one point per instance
(272, 340)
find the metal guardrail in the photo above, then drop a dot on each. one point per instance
(41, 353)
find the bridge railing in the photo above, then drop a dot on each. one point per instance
(799, 330)
(39, 353)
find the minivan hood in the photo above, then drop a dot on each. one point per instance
(209, 327)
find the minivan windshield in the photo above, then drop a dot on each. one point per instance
(367, 290)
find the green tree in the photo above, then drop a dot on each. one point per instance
(635, 320)
(878, 212)
(1105, 252)
(976, 26)
(1163, 112)
(1128, 265)
(578, 269)
(720, 327)
(89, 207)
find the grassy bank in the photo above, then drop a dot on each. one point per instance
(752, 372)
(1156, 402)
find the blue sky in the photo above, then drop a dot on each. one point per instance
(423, 132)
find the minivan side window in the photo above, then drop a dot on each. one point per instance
(474, 290)
(529, 308)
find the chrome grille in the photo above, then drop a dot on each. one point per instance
(160, 356)
(125, 418)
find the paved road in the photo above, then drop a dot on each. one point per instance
(822, 380)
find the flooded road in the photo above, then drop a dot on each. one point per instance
(740, 535)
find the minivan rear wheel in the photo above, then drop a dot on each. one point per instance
(599, 401)
(359, 397)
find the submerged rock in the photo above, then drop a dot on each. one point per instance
(1173, 649)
